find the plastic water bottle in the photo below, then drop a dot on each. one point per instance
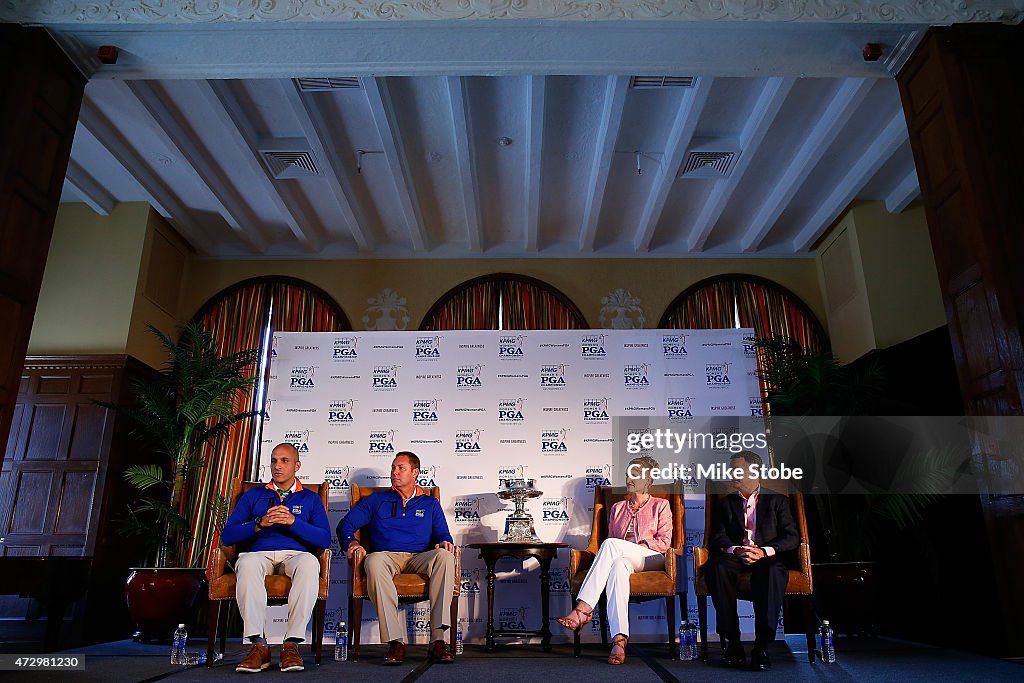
(691, 639)
(682, 635)
(341, 642)
(687, 641)
(828, 643)
(459, 649)
(192, 658)
(178, 645)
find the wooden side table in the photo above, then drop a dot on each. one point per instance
(490, 553)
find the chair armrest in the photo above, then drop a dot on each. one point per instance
(325, 572)
(700, 558)
(457, 588)
(216, 566)
(804, 553)
(579, 560)
(358, 583)
(670, 563)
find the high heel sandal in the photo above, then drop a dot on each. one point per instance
(619, 640)
(584, 619)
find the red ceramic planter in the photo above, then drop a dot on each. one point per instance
(160, 599)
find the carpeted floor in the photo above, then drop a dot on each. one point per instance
(859, 660)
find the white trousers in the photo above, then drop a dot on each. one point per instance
(616, 559)
(251, 571)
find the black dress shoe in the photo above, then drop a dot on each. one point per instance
(396, 652)
(759, 660)
(734, 656)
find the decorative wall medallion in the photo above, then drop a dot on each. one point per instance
(386, 311)
(620, 310)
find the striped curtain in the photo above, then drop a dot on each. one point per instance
(473, 308)
(709, 308)
(525, 306)
(298, 309)
(772, 313)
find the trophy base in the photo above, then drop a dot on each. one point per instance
(519, 530)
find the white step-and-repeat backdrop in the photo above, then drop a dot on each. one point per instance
(477, 406)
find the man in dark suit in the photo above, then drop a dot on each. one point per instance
(750, 530)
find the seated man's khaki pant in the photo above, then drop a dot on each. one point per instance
(251, 571)
(381, 567)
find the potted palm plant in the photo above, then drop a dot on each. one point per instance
(181, 413)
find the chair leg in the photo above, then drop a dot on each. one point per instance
(355, 615)
(810, 621)
(670, 611)
(211, 626)
(225, 621)
(318, 630)
(454, 630)
(603, 607)
(702, 616)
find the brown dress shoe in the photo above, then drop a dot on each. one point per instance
(290, 659)
(396, 652)
(440, 652)
(256, 661)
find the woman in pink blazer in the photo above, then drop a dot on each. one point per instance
(639, 533)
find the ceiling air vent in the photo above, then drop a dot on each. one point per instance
(327, 83)
(662, 81)
(710, 158)
(289, 158)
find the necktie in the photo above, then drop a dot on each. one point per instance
(748, 523)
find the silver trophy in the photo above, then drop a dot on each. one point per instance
(519, 524)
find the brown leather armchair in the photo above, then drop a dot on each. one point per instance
(643, 586)
(800, 583)
(412, 588)
(221, 579)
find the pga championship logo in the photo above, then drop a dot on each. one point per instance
(680, 408)
(428, 477)
(592, 347)
(428, 348)
(267, 409)
(555, 511)
(467, 511)
(634, 375)
(385, 377)
(511, 619)
(332, 618)
(302, 378)
(467, 442)
(381, 442)
(340, 412)
(595, 411)
(718, 375)
(469, 377)
(552, 442)
(599, 475)
(338, 478)
(510, 411)
(510, 347)
(418, 619)
(749, 346)
(471, 580)
(673, 346)
(559, 580)
(424, 412)
(756, 406)
(553, 376)
(511, 472)
(345, 349)
(273, 346)
(298, 438)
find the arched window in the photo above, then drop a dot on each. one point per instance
(504, 301)
(245, 316)
(738, 300)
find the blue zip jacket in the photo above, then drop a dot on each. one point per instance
(311, 530)
(412, 528)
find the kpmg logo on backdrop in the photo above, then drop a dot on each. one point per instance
(595, 411)
(718, 375)
(510, 347)
(552, 376)
(471, 578)
(680, 408)
(673, 346)
(592, 347)
(552, 442)
(428, 348)
(749, 346)
(467, 510)
(298, 438)
(756, 407)
(340, 412)
(510, 411)
(512, 472)
(511, 619)
(267, 408)
(467, 442)
(345, 349)
(417, 619)
(424, 411)
(598, 475)
(302, 378)
(469, 377)
(385, 377)
(273, 346)
(382, 442)
(337, 478)
(555, 511)
(428, 477)
(634, 375)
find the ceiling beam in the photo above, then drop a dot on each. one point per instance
(768, 104)
(907, 191)
(159, 194)
(386, 120)
(174, 134)
(874, 157)
(238, 129)
(683, 125)
(535, 92)
(89, 189)
(615, 91)
(462, 136)
(840, 108)
(317, 130)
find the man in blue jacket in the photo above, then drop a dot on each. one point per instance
(278, 527)
(408, 534)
